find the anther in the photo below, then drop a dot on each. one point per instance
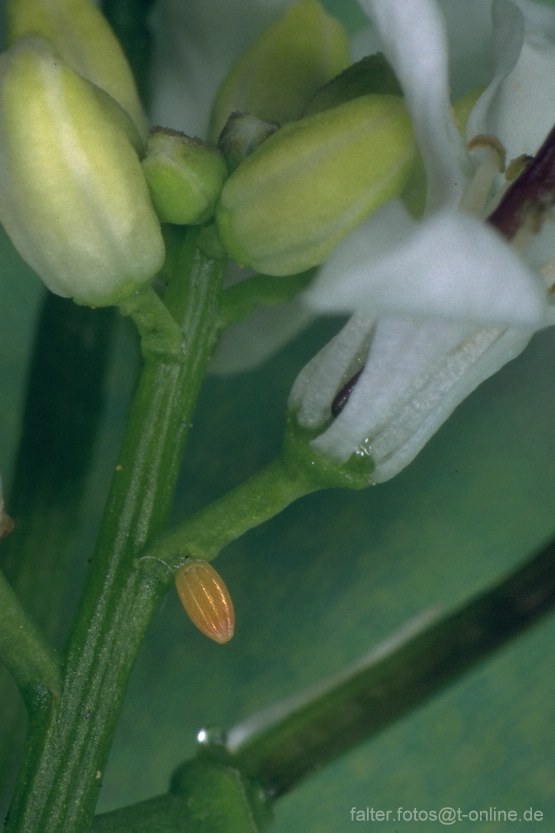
(344, 394)
(530, 196)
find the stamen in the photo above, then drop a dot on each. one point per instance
(344, 394)
(548, 273)
(492, 163)
(530, 196)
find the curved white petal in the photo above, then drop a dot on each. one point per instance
(415, 377)
(450, 265)
(414, 40)
(469, 28)
(517, 106)
(470, 44)
(196, 44)
(320, 380)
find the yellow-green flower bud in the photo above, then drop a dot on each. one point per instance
(73, 197)
(81, 36)
(184, 176)
(290, 203)
(293, 57)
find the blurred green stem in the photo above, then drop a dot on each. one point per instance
(63, 413)
(23, 650)
(62, 770)
(285, 744)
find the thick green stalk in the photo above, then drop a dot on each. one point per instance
(284, 745)
(62, 772)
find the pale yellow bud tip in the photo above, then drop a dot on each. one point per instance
(73, 197)
(290, 203)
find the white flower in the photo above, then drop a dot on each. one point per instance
(441, 303)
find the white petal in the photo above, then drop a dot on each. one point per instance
(470, 44)
(450, 265)
(196, 44)
(414, 41)
(517, 106)
(415, 377)
(320, 380)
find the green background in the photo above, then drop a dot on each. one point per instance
(335, 574)
(332, 577)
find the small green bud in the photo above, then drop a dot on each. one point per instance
(82, 37)
(290, 203)
(73, 197)
(184, 177)
(293, 57)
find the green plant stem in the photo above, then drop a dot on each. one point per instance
(28, 657)
(159, 331)
(263, 496)
(62, 417)
(62, 771)
(284, 745)
(63, 413)
(298, 471)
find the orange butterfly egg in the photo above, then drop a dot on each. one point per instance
(206, 599)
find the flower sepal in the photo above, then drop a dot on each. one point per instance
(318, 469)
(184, 176)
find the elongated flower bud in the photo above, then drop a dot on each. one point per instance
(73, 197)
(289, 204)
(206, 599)
(184, 176)
(81, 36)
(281, 71)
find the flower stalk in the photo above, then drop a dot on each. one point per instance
(58, 787)
(30, 660)
(296, 472)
